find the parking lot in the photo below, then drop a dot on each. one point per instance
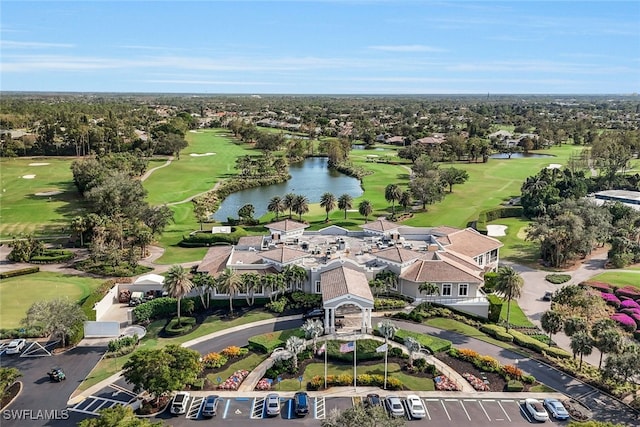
(479, 412)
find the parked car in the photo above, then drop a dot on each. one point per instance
(536, 410)
(210, 406)
(393, 404)
(548, 295)
(16, 346)
(272, 402)
(373, 400)
(301, 403)
(57, 375)
(415, 407)
(316, 313)
(556, 409)
(179, 404)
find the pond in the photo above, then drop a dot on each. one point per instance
(311, 178)
(519, 155)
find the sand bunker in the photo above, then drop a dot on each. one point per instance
(554, 166)
(49, 193)
(28, 176)
(200, 155)
(39, 164)
(194, 131)
(496, 230)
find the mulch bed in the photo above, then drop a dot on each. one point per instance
(11, 392)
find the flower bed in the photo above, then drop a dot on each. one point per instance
(234, 381)
(625, 321)
(264, 384)
(445, 384)
(476, 382)
(610, 299)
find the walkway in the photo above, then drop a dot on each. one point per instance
(148, 173)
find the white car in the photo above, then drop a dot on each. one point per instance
(179, 404)
(272, 402)
(16, 346)
(536, 410)
(556, 409)
(415, 407)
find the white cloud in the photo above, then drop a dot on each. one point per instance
(10, 44)
(406, 48)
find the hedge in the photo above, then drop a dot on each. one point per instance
(498, 332)
(186, 325)
(97, 295)
(433, 344)
(52, 256)
(540, 347)
(156, 308)
(19, 272)
(489, 215)
(515, 385)
(495, 307)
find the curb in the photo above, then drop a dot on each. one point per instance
(14, 397)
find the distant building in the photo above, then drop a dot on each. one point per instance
(626, 197)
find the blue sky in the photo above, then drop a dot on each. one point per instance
(321, 47)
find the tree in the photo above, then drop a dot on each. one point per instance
(79, 225)
(288, 202)
(623, 365)
(313, 328)
(251, 281)
(551, 322)
(58, 317)
(8, 376)
(177, 284)
(301, 205)
(430, 289)
(388, 329)
(276, 205)
(575, 324)
(328, 202)
(246, 212)
(405, 199)
(162, 371)
(157, 218)
(392, 192)
(413, 346)
(345, 202)
(365, 209)
(204, 284)
(118, 416)
(359, 416)
(509, 283)
(201, 210)
(295, 346)
(451, 176)
(294, 275)
(229, 282)
(608, 341)
(582, 344)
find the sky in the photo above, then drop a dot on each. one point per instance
(321, 47)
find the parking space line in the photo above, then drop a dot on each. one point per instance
(226, 408)
(524, 412)
(194, 408)
(445, 408)
(257, 408)
(123, 390)
(320, 408)
(503, 410)
(464, 409)
(484, 410)
(426, 408)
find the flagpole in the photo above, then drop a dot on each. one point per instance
(386, 352)
(355, 354)
(326, 350)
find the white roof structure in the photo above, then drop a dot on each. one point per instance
(149, 279)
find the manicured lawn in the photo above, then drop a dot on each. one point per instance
(394, 370)
(619, 278)
(464, 329)
(18, 293)
(516, 248)
(248, 363)
(22, 211)
(516, 317)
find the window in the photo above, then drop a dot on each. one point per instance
(318, 289)
(446, 290)
(463, 289)
(481, 260)
(299, 286)
(259, 290)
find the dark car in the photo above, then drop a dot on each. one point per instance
(210, 406)
(372, 400)
(301, 403)
(57, 375)
(316, 313)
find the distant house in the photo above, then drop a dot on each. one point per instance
(396, 140)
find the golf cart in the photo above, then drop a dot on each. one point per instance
(57, 375)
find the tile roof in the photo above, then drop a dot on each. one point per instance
(469, 242)
(255, 241)
(215, 260)
(342, 281)
(283, 254)
(397, 254)
(286, 225)
(381, 225)
(245, 257)
(440, 270)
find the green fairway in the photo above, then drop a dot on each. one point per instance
(18, 293)
(516, 248)
(619, 278)
(197, 170)
(40, 204)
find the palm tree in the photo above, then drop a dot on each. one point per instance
(509, 284)
(575, 324)
(392, 192)
(345, 202)
(251, 281)
(229, 282)
(608, 341)
(276, 205)
(204, 283)
(295, 346)
(405, 199)
(79, 225)
(388, 330)
(430, 289)
(287, 202)
(328, 202)
(177, 284)
(413, 346)
(313, 328)
(294, 275)
(365, 209)
(582, 344)
(301, 205)
(551, 322)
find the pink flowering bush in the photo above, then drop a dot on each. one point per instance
(445, 384)
(625, 321)
(629, 304)
(263, 384)
(600, 286)
(629, 292)
(234, 381)
(476, 382)
(610, 299)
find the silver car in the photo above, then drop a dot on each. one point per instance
(394, 406)
(556, 409)
(272, 403)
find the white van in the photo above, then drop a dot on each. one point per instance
(179, 404)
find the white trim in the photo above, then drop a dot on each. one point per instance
(448, 286)
(317, 289)
(462, 286)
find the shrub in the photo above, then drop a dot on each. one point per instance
(34, 331)
(537, 346)
(512, 372)
(602, 287)
(495, 308)
(234, 351)
(486, 363)
(610, 299)
(214, 360)
(528, 379)
(625, 321)
(19, 272)
(514, 385)
(498, 332)
(174, 328)
(397, 352)
(629, 304)
(76, 333)
(118, 343)
(155, 309)
(467, 354)
(52, 256)
(557, 279)
(492, 214)
(277, 306)
(628, 291)
(388, 303)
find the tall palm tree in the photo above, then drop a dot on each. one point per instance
(509, 283)
(288, 202)
(313, 328)
(268, 282)
(204, 283)
(295, 346)
(251, 281)
(388, 330)
(365, 209)
(345, 202)
(575, 324)
(177, 285)
(276, 205)
(405, 199)
(328, 202)
(79, 225)
(229, 282)
(413, 346)
(301, 205)
(582, 344)
(392, 192)
(551, 322)
(430, 289)
(608, 341)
